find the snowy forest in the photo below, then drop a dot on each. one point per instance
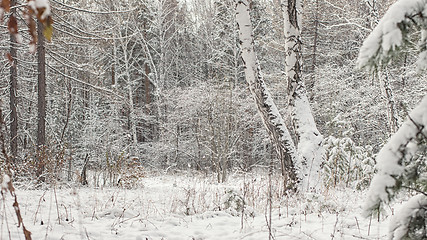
(213, 119)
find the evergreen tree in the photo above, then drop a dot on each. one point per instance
(401, 162)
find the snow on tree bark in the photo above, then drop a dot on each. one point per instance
(309, 139)
(270, 115)
(392, 117)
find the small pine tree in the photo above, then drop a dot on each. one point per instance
(347, 164)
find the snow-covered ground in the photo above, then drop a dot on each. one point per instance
(188, 207)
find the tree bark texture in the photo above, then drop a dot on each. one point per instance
(392, 117)
(41, 100)
(41, 77)
(270, 115)
(309, 140)
(13, 91)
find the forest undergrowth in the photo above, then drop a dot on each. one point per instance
(189, 206)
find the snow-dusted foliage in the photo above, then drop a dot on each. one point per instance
(203, 132)
(42, 6)
(409, 222)
(392, 33)
(397, 163)
(347, 163)
(402, 146)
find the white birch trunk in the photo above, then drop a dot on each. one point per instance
(309, 139)
(392, 117)
(270, 115)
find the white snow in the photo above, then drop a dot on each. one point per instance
(42, 5)
(387, 36)
(5, 182)
(399, 223)
(32, 48)
(401, 145)
(187, 207)
(310, 145)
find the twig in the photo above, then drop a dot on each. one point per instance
(359, 237)
(87, 235)
(369, 226)
(357, 223)
(92, 12)
(38, 207)
(129, 218)
(243, 202)
(335, 227)
(308, 235)
(48, 218)
(7, 182)
(57, 207)
(416, 190)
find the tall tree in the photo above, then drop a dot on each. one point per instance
(270, 115)
(13, 85)
(41, 100)
(308, 137)
(384, 78)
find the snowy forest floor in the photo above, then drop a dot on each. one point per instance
(187, 207)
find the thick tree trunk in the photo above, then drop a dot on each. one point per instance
(41, 102)
(13, 90)
(270, 115)
(308, 137)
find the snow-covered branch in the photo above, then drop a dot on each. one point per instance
(391, 34)
(402, 145)
(409, 216)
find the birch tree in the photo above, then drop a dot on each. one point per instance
(384, 78)
(270, 115)
(308, 138)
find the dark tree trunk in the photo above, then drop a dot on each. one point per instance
(13, 90)
(41, 103)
